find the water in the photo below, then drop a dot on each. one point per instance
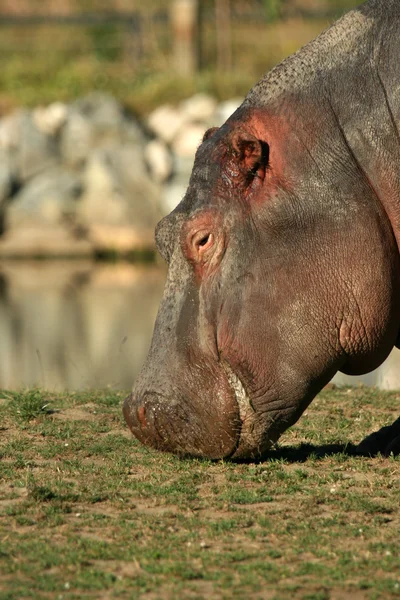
(76, 325)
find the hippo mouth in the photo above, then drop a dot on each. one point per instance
(228, 426)
(252, 441)
(195, 421)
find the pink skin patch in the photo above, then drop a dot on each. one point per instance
(141, 414)
(203, 242)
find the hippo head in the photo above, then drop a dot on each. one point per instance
(281, 271)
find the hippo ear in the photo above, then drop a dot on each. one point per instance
(209, 133)
(251, 153)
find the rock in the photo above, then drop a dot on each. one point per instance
(94, 121)
(48, 199)
(6, 179)
(225, 110)
(40, 220)
(199, 108)
(133, 132)
(173, 194)
(91, 168)
(29, 150)
(121, 205)
(165, 122)
(188, 140)
(37, 151)
(183, 166)
(77, 140)
(51, 118)
(10, 132)
(159, 160)
(102, 110)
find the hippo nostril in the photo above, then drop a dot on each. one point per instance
(172, 424)
(141, 415)
(135, 412)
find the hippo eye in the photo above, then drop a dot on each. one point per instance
(201, 242)
(204, 240)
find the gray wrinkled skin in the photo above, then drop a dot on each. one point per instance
(283, 255)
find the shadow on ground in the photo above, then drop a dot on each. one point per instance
(385, 441)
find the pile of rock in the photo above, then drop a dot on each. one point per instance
(88, 177)
(181, 128)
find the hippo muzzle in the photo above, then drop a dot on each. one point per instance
(207, 426)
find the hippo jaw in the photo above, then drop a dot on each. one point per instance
(232, 430)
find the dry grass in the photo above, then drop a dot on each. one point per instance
(86, 512)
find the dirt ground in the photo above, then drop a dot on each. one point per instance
(87, 512)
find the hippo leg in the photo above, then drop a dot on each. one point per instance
(386, 441)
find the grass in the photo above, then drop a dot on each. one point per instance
(31, 75)
(87, 512)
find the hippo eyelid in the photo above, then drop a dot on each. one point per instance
(199, 244)
(202, 238)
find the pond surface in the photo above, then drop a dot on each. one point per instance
(76, 325)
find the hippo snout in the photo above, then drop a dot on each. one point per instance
(140, 414)
(174, 425)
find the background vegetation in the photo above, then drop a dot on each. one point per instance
(58, 50)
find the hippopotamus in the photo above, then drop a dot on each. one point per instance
(283, 256)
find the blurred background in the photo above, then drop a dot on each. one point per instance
(102, 106)
(147, 53)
